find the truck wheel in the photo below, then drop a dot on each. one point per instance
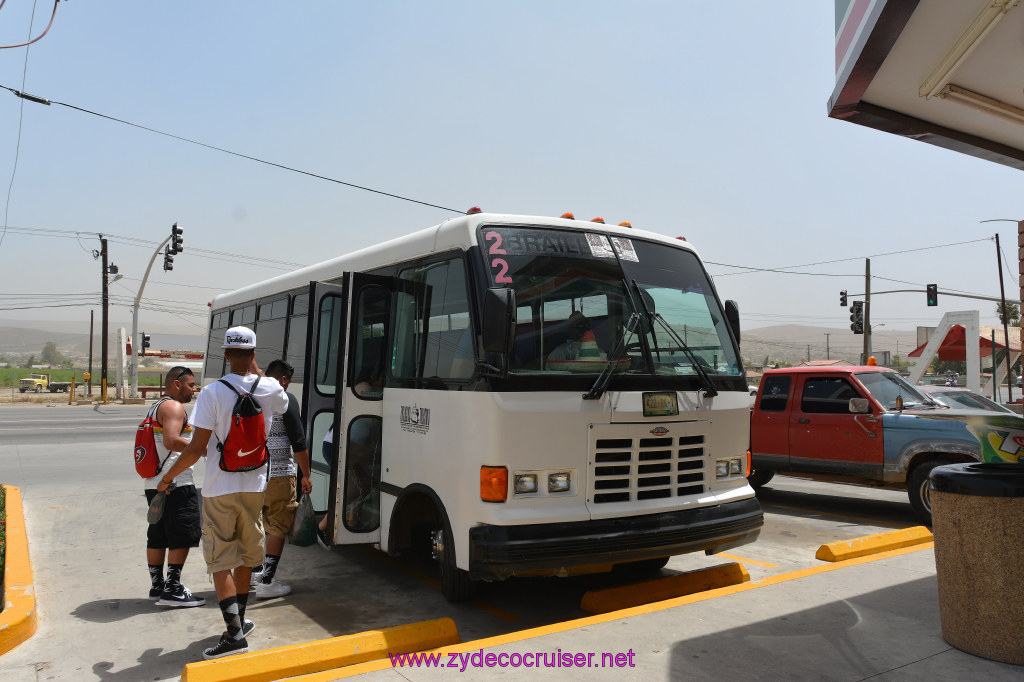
(22, 390)
(455, 583)
(760, 477)
(38, 388)
(919, 490)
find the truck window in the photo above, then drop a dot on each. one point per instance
(827, 395)
(775, 394)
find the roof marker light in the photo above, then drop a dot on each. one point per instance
(475, 209)
(681, 238)
(625, 223)
(568, 215)
(597, 220)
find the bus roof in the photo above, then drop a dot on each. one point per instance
(454, 233)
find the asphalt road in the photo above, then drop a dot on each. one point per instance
(86, 521)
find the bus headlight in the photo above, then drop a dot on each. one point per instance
(559, 482)
(729, 467)
(525, 483)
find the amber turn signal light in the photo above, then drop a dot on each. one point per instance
(493, 484)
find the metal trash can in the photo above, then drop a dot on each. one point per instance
(978, 524)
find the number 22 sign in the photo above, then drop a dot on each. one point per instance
(499, 266)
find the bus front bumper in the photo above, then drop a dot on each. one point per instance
(499, 552)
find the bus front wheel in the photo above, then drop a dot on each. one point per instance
(455, 583)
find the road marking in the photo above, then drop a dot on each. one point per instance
(874, 522)
(746, 560)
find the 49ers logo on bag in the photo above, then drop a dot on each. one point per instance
(147, 460)
(245, 448)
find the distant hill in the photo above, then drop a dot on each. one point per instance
(30, 340)
(791, 343)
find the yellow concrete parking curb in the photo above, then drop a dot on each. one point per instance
(873, 544)
(324, 654)
(622, 597)
(19, 617)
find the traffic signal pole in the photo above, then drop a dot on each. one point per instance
(1006, 332)
(135, 321)
(867, 309)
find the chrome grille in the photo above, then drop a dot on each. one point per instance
(628, 469)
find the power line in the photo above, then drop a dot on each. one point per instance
(785, 268)
(21, 118)
(227, 151)
(143, 243)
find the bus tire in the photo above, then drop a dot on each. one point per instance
(758, 478)
(456, 585)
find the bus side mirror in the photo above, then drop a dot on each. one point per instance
(732, 314)
(499, 320)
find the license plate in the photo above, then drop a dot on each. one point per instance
(660, 404)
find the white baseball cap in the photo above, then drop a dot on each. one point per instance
(239, 337)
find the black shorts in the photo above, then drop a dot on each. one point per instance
(179, 526)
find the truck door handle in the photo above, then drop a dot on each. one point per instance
(803, 421)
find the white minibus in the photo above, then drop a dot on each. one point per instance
(516, 395)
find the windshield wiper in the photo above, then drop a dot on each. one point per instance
(709, 386)
(597, 390)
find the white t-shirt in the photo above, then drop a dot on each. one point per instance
(213, 412)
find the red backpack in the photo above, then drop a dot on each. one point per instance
(147, 460)
(245, 448)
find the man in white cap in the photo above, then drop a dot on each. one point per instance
(233, 538)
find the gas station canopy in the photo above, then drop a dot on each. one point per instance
(946, 72)
(954, 346)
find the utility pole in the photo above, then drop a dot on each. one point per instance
(867, 309)
(91, 313)
(103, 323)
(828, 352)
(1006, 333)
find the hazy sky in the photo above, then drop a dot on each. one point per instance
(700, 119)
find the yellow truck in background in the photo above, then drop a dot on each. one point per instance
(37, 382)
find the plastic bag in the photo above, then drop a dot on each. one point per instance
(303, 532)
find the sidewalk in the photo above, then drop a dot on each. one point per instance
(876, 617)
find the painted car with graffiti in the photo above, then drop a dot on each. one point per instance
(867, 425)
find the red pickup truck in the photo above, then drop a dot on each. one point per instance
(868, 426)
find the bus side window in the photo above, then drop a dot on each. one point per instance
(295, 353)
(329, 343)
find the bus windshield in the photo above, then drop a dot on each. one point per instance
(575, 293)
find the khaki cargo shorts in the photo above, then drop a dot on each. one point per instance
(279, 506)
(232, 531)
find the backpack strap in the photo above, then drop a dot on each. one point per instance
(152, 414)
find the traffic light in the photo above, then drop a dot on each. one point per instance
(176, 239)
(857, 317)
(842, 298)
(145, 343)
(933, 294)
(168, 259)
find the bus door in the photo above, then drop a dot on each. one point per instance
(344, 430)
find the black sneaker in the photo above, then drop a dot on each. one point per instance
(180, 597)
(226, 647)
(155, 592)
(322, 539)
(247, 627)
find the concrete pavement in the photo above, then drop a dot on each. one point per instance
(874, 617)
